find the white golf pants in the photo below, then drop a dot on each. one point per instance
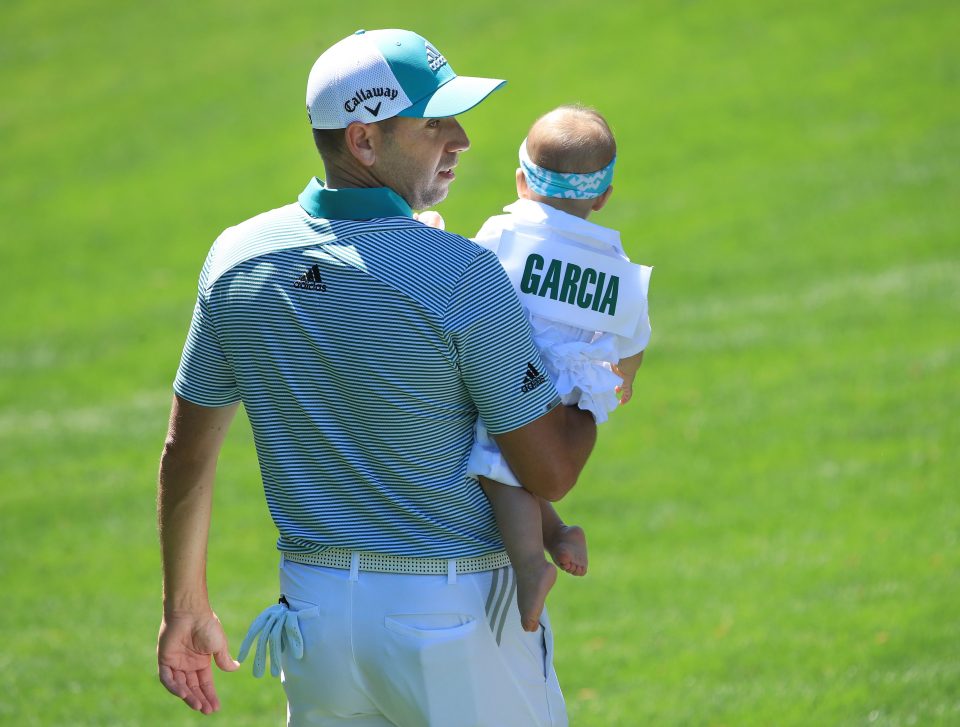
(415, 651)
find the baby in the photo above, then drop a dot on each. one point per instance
(587, 305)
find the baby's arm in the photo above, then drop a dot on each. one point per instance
(626, 369)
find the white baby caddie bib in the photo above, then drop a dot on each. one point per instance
(574, 285)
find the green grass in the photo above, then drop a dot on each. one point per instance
(773, 521)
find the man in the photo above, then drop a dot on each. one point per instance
(363, 345)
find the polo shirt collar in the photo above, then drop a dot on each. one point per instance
(352, 203)
(565, 223)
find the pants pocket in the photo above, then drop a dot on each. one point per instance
(433, 660)
(431, 626)
(315, 685)
(555, 702)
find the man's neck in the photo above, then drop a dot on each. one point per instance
(339, 176)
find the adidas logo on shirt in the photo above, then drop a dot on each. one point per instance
(311, 280)
(532, 379)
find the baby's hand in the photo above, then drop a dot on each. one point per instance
(626, 369)
(430, 219)
(625, 390)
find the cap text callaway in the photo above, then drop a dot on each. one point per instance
(367, 93)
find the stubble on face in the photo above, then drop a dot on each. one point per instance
(410, 159)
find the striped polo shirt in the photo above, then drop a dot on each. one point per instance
(363, 345)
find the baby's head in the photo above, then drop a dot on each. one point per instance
(568, 141)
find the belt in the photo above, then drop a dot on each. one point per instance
(384, 563)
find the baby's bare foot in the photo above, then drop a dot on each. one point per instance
(569, 550)
(534, 582)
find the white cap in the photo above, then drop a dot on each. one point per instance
(374, 75)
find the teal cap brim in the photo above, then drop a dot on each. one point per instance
(457, 95)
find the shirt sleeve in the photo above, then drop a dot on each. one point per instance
(205, 376)
(496, 355)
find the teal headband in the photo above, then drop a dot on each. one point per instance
(548, 183)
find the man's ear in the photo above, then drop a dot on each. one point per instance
(600, 201)
(360, 142)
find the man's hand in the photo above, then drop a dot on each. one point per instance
(184, 648)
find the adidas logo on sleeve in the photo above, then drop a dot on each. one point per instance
(532, 379)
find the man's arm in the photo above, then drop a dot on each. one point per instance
(548, 454)
(190, 631)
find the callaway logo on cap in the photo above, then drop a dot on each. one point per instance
(375, 75)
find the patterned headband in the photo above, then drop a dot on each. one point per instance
(548, 183)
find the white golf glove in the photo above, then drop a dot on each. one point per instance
(278, 628)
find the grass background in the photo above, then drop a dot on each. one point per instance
(773, 521)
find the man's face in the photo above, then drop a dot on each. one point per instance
(417, 156)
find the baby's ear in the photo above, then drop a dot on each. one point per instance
(602, 200)
(523, 191)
